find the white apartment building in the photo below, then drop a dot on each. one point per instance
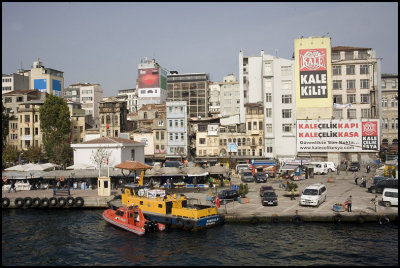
(131, 98)
(270, 80)
(15, 81)
(177, 130)
(214, 107)
(230, 96)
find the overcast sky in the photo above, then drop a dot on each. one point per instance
(104, 42)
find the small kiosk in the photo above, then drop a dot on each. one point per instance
(104, 186)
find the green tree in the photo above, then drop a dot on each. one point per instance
(243, 189)
(4, 125)
(9, 154)
(33, 154)
(55, 124)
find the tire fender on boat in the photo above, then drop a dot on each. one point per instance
(70, 201)
(44, 202)
(384, 219)
(179, 223)
(5, 202)
(297, 219)
(19, 202)
(61, 201)
(188, 224)
(36, 202)
(275, 219)
(337, 218)
(79, 202)
(28, 202)
(53, 201)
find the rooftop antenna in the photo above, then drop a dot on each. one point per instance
(276, 52)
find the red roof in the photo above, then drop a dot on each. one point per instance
(133, 165)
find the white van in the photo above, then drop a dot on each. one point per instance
(330, 166)
(390, 197)
(240, 167)
(319, 168)
(313, 195)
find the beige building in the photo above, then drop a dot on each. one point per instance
(389, 124)
(46, 79)
(77, 115)
(113, 117)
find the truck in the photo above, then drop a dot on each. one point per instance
(266, 166)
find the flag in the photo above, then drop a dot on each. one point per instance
(217, 201)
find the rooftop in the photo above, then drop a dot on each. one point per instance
(108, 140)
(347, 48)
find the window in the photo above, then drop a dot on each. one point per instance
(349, 55)
(255, 125)
(286, 113)
(364, 69)
(268, 146)
(384, 102)
(157, 135)
(337, 70)
(336, 55)
(248, 125)
(337, 84)
(181, 123)
(160, 123)
(171, 137)
(7, 100)
(286, 98)
(182, 137)
(365, 113)
(351, 114)
(176, 123)
(351, 84)
(36, 118)
(351, 98)
(363, 55)
(27, 131)
(162, 135)
(268, 128)
(267, 68)
(27, 118)
(337, 114)
(286, 70)
(260, 141)
(337, 99)
(385, 123)
(383, 84)
(286, 84)
(268, 97)
(364, 98)
(394, 102)
(350, 69)
(202, 141)
(268, 84)
(268, 112)
(364, 83)
(170, 123)
(286, 127)
(260, 125)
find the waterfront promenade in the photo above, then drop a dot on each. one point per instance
(363, 210)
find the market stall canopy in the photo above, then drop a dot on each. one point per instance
(133, 166)
(289, 167)
(81, 166)
(194, 171)
(217, 170)
(171, 171)
(32, 167)
(155, 171)
(22, 175)
(81, 174)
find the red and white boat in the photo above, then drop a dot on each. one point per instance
(131, 219)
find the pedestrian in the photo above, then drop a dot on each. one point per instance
(292, 196)
(12, 186)
(356, 178)
(349, 203)
(338, 169)
(368, 168)
(363, 182)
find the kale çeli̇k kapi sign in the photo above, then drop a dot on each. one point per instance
(337, 135)
(313, 73)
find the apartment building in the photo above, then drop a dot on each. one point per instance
(77, 115)
(193, 88)
(15, 81)
(131, 98)
(11, 100)
(177, 130)
(46, 80)
(113, 117)
(214, 106)
(389, 123)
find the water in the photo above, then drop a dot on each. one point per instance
(82, 237)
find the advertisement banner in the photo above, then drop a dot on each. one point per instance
(337, 135)
(313, 73)
(149, 78)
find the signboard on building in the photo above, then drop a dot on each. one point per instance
(40, 84)
(149, 78)
(313, 73)
(337, 135)
(232, 147)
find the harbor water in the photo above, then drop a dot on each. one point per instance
(82, 237)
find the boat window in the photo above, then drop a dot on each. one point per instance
(119, 213)
(136, 215)
(160, 205)
(141, 202)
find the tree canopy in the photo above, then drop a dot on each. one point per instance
(4, 125)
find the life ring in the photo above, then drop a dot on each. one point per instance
(337, 218)
(44, 202)
(360, 219)
(61, 178)
(384, 219)
(179, 223)
(275, 219)
(297, 219)
(28, 202)
(61, 202)
(70, 201)
(36, 202)
(19, 202)
(188, 224)
(5, 202)
(53, 201)
(4, 179)
(79, 202)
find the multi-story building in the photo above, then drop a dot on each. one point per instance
(151, 83)
(46, 79)
(113, 117)
(89, 95)
(11, 100)
(192, 88)
(214, 100)
(355, 83)
(77, 115)
(270, 80)
(177, 130)
(229, 96)
(131, 99)
(15, 81)
(389, 123)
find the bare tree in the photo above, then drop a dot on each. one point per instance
(100, 157)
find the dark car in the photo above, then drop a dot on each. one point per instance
(382, 184)
(247, 176)
(261, 177)
(269, 198)
(227, 195)
(266, 188)
(354, 166)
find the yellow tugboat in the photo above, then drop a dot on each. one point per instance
(171, 210)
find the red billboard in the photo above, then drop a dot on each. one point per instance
(149, 78)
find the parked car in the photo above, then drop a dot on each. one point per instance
(266, 188)
(227, 195)
(247, 176)
(390, 197)
(260, 177)
(382, 184)
(269, 198)
(354, 166)
(240, 167)
(313, 195)
(320, 168)
(330, 166)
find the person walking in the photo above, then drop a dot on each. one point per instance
(292, 196)
(12, 186)
(368, 168)
(349, 203)
(356, 178)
